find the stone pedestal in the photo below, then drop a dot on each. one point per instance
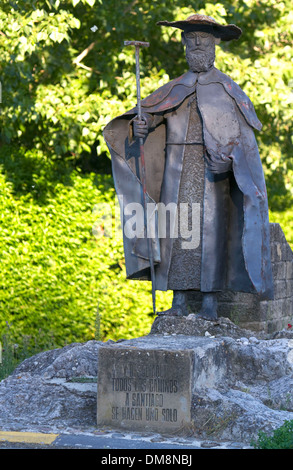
(211, 386)
(247, 310)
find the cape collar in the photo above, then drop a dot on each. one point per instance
(188, 81)
(204, 78)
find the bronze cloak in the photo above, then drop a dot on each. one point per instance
(236, 243)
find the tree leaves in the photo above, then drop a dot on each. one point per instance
(45, 91)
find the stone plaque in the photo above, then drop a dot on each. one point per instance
(141, 389)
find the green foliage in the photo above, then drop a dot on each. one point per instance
(282, 438)
(56, 268)
(65, 73)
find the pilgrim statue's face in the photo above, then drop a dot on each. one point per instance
(200, 50)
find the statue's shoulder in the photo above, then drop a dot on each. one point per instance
(187, 80)
(216, 76)
(234, 90)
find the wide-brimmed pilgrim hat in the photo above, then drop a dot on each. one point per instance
(198, 22)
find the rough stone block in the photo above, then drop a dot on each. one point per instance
(280, 289)
(276, 233)
(289, 289)
(240, 312)
(264, 309)
(287, 253)
(278, 252)
(289, 270)
(288, 307)
(279, 270)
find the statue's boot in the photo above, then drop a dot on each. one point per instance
(179, 305)
(209, 306)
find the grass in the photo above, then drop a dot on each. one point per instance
(13, 353)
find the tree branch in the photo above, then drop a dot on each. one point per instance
(82, 55)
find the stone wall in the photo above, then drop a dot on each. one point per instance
(247, 310)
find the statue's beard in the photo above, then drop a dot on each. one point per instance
(200, 61)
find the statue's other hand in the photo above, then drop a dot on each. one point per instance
(140, 127)
(219, 164)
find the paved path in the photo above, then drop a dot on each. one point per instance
(107, 440)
